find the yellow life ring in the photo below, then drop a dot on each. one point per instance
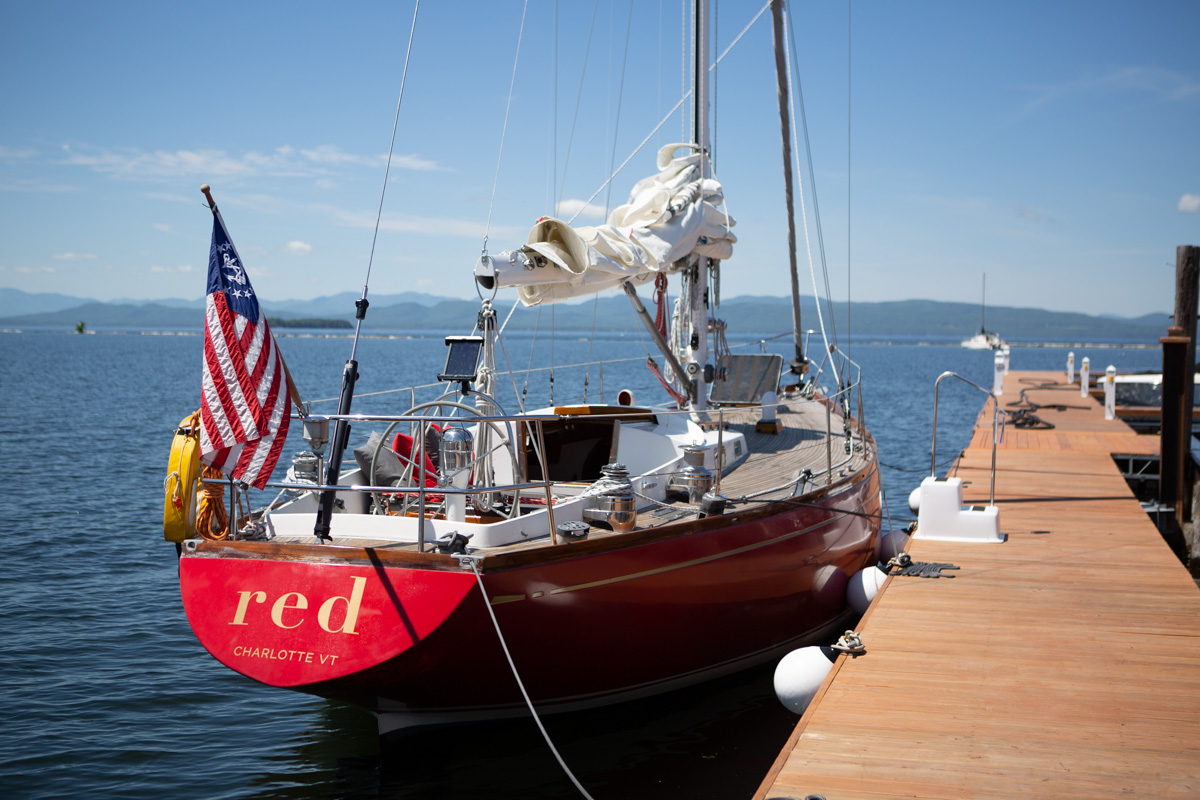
(183, 478)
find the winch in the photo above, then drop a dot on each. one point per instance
(613, 502)
(693, 479)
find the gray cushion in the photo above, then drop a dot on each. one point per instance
(388, 468)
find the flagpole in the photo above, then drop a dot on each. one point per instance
(293, 391)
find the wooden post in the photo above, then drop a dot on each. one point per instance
(1173, 448)
(1187, 290)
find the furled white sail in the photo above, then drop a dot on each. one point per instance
(669, 216)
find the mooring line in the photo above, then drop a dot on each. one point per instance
(520, 684)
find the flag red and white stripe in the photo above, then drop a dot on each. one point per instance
(245, 406)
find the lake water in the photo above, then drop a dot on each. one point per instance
(106, 692)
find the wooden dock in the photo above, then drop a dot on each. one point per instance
(1064, 662)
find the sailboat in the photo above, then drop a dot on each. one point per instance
(477, 562)
(985, 339)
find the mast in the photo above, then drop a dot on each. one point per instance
(696, 348)
(983, 307)
(785, 130)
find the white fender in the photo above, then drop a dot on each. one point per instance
(799, 674)
(863, 587)
(914, 500)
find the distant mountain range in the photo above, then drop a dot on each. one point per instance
(14, 302)
(415, 311)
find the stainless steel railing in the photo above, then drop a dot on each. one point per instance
(996, 427)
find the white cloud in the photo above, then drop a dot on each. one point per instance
(331, 154)
(415, 162)
(437, 226)
(24, 270)
(1189, 204)
(297, 248)
(572, 207)
(1164, 84)
(286, 161)
(180, 268)
(35, 185)
(164, 227)
(13, 154)
(73, 256)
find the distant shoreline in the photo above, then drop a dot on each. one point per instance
(402, 335)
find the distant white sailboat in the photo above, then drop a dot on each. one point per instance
(984, 340)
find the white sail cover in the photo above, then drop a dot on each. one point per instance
(668, 217)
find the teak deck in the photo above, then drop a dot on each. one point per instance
(1062, 663)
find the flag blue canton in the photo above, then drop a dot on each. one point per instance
(226, 275)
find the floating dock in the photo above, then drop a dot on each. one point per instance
(1064, 662)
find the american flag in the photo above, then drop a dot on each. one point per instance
(245, 406)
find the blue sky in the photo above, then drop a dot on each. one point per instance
(1050, 145)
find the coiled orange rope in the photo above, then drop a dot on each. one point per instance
(211, 509)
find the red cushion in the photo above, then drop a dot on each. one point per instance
(402, 446)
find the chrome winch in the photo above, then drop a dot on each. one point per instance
(693, 479)
(612, 501)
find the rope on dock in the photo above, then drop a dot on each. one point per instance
(904, 566)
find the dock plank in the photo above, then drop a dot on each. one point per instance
(1063, 663)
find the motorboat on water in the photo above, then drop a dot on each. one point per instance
(477, 560)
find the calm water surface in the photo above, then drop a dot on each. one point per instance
(106, 693)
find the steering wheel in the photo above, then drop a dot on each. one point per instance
(479, 467)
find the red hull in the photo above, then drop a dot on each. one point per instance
(585, 630)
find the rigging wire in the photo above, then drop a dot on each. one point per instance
(787, 52)
(553, 316)
(812, 178)
(504, 129)
(683, 68)
(532, 346)
(738, 38)
(386, 170)
(511, 311)
(687, 93)
(587, 374)
(554, 119)
(578, 99)
(511, 374)
(636, 150)
(740, 345)
(849, 130)
(620, 94)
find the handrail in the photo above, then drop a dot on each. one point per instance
(422, 418)
(358, 487)
(995, 427)
(841, 397)
(578, 365)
